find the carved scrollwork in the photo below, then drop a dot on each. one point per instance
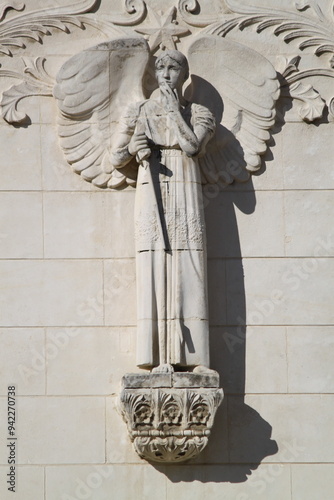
(291, 25)
(36, 82)
(137, 12)
(35, 25)
(190, 12)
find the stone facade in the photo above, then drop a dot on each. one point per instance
(68, 301)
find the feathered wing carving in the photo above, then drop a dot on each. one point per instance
(242, 93)
(93, 89)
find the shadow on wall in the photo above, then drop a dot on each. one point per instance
(241, 438)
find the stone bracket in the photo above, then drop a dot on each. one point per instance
(170, 416)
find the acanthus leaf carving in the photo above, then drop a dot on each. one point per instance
(36, 82)
(36, 24)
(289, 24)
(310, 4)
(169, 424)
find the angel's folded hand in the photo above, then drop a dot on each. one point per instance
(138, 142)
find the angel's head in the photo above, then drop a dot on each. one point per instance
(172, 67)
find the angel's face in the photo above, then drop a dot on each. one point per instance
(170, 72)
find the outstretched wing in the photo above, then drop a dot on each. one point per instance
(241, 89)
(93, 89)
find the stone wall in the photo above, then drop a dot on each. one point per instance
(68, 307)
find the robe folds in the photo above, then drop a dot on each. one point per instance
(172, 302)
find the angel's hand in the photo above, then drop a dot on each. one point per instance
(138, 142)
(170, 98)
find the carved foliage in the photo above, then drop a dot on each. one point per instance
(35, 25)
(36, 82)
(292, 26)
(169, 425)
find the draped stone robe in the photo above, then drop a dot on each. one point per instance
(172, 303)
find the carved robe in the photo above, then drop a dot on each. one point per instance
(172, 303)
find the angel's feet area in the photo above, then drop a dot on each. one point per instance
(204, 370)
(164, 368)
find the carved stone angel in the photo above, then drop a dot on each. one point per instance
(114, 135)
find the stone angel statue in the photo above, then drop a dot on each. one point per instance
(168, 146)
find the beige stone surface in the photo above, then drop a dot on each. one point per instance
(101, 481)
(22, 170)
(34, 290)
(21, 220)
(225, 482)
(29, 483)
(301, 166)
(62, 430)
(291, 291)
(301, 426)
(120, 292)
(312, 481)
(310, 359)
(252, 359)
(308, 223)
(88, 361)
(25, 348)
(74, 225)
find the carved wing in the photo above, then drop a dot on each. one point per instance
(241, 89)
(92, 90)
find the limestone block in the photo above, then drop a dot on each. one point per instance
(61, 430)
(75, 225)
(35, 292)
(217, 291)
(251, 360)
(301, 426)
(86, 225)
(234, 218)
(302, 169)
(119, 224)
(120, 292)
(29, 483)
(103, 482)
(88, 360)
(22, 361)
(308, 223)
(229, 481)
(312, 481)
(290, 291)
(22, 170)
(310, 357)
(21, 225)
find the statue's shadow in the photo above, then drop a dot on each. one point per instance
(240, 438)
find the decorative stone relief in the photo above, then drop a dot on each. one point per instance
(133, 111)
(170, 416)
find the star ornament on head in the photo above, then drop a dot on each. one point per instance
(166, 33)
